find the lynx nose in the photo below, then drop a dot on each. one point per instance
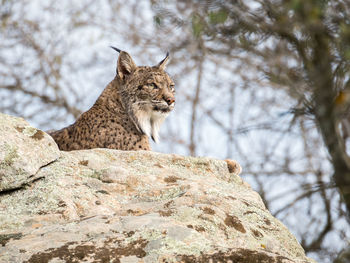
(170, 100)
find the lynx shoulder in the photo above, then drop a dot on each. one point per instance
(130, 110)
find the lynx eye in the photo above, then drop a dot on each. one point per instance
(172, 88)
(153, 85)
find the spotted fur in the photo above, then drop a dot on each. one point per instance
(130, 109)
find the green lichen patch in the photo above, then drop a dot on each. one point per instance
(162, 194)
(10, 155)
(195, 244)
(42, 198)
(187, 214)
(4, 238)
(93, 173)
(29, 131)
(143, 234)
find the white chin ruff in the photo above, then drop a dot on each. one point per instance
(150, 122)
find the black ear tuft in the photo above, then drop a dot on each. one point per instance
(116, 49)
(163, 63)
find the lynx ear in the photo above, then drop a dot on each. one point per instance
(125, 64)
(162, 64)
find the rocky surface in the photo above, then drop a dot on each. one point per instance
(23, 150)
(112, 206)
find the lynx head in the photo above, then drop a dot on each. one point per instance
(147, 93)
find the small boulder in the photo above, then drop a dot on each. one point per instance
(23, 150)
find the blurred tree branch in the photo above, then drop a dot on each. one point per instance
(246, 76)
(46, 99)
(311, 36)
(301, 48)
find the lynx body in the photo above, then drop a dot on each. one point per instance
(130, 109)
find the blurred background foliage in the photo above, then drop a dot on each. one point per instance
(264, 82)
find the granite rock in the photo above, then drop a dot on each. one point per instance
(106, 205)
(23, 151)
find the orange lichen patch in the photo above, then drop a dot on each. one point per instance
(131, 159)
(19, 129)
(233, 166)
(36, 225)
(171, 179)
(187, 165)
(84, 162)
(208, 211)
(341, 98)
(38, 135)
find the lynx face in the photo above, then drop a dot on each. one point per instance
(148, 94)
(154, 90)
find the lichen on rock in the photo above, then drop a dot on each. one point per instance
(105, 205)
(23, 150)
